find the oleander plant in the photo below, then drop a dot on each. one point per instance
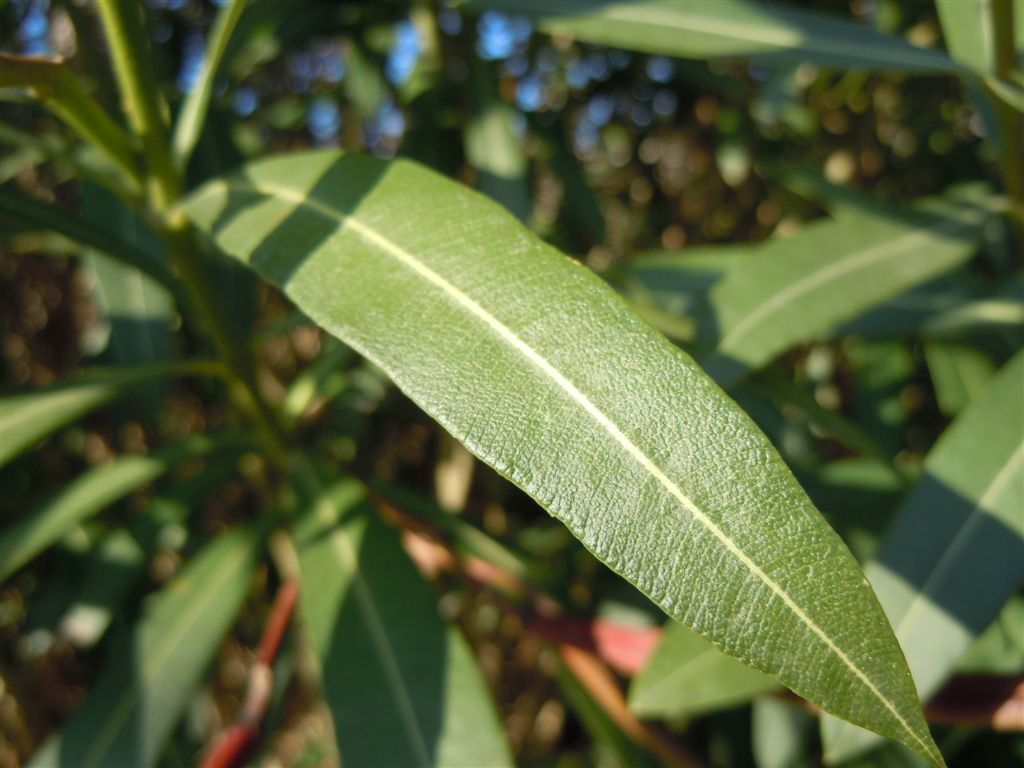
(536, 382)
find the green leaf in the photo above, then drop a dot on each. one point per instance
(137, 309)
(190, 120)
(27, 418)
(119, 560)
(322, 379)
(725, 29)
(546, 375)
(403, 687)
(25, 210)
(492, 147)
(668, 288)
(1000, 648)
(579, 203)
(53, 83)
(955, 553)
(83, 159)
(688, 676)
(779, 734)
(91, 492)
(967, 30)
(960, 373)
(800, 288)
(945, 307)
(149, 678)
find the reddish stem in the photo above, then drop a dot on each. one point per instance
(233, 746)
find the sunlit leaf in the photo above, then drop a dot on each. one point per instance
(193, 112)
(90, 493)
(800, 288)
(28, 417)
(725, 29)
(955, 553)
(546, 375)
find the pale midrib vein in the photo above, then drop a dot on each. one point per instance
(467, 303)
(166, 645)
(948, 557)
(730, 29)
(832, 271)
(375, 626)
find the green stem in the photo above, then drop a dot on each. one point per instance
(186, 255)
(147, 114)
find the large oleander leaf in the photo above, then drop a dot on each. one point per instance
(28, 417)
(548, 376)
(91, 492)
(402, 685)
(799, 288)
(148, 679)
(709, 29)
(955, 553)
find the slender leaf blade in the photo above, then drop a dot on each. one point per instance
(545, 374)
(190, 120)
(28, 417)
(709, 29)
(148, 680)
(967, 29)
(802, 287)
(403, 687)
(688, 676)
(91, 493)
(25, 210)
(955, 553)
(960, 373)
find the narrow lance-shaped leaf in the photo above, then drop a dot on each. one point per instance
(967, 30)
(28, 417)
(545, 374)
(725, 28)
(52, 82)
(403, 687)
(800, 288)
(24, 210)
(193, 112)
(118, 562)
(960, 373)
(686, 675)
(955, 553)
(149, 678)
(91, 493)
